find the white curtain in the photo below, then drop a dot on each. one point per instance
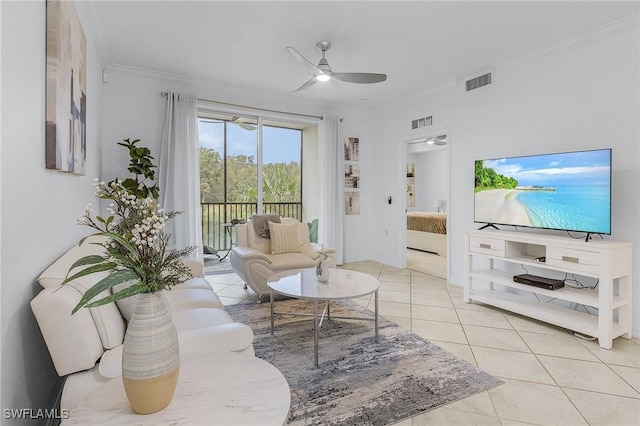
(179, 172)
(331, 193)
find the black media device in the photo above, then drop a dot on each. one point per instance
(541, 282)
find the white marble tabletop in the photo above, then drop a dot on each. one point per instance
(304, 284)
(213, 389)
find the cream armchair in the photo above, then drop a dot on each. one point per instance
(255, 258)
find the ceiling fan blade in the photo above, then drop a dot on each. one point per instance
(245, 126)
(304, 61)
(359, 77)
(439, 140)
(307, 84)
(236, 120)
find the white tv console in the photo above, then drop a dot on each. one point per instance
(490, 252)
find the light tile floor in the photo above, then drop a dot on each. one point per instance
(551, 377)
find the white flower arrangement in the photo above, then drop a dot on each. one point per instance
(135, 250)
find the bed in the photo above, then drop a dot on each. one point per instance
(427, 231)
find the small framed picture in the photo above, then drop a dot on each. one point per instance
(351, 202)
(351, 149)
(351, 176)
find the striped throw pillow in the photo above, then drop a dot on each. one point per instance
(284, 238)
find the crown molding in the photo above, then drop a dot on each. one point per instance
(629, 23)
(114, 67)
(198, 82)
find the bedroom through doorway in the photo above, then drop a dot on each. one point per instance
(427, 182)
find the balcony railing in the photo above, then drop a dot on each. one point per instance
(214, 215)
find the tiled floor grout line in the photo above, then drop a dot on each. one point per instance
(550, 375)
(391, 276)
(518, 332)
(473, 354)
(623, 379)
(562, 389)
(556, 384)
(608, 365)
(460, 322)
(536, 355)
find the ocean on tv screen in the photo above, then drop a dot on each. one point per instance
(568, 191)
(580, 207)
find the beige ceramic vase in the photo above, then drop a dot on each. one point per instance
(150, 356)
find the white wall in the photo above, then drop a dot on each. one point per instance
(431, 179)
(133, 108)
(580, 97)
(39, 206)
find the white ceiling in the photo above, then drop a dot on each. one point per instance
(420, 44)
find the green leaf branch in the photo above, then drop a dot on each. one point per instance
(141, 166)
(135, 247)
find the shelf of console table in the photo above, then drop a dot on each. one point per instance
(493, 255)
(224, 388)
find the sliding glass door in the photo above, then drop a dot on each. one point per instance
(281, 170)
(249, 165)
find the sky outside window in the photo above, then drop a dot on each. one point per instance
(281, 145)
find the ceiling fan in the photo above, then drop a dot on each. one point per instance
(324, 72)
(437, 140)
(236, 120)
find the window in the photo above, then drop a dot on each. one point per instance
(282, 170)
(249, 165)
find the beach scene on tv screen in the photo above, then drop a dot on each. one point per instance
(568, 191)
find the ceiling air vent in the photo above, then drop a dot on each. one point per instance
(478, 82)
(422, 122)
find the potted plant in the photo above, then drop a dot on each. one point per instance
(136, 252)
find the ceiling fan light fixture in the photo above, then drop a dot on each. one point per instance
(439, 140)
(323, 71)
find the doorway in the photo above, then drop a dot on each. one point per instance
(426, 203)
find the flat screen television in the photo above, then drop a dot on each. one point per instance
(569, 191)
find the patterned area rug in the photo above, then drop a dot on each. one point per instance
(358, 382)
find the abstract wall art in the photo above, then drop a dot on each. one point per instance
(351, 149)
(66, 89)
(351, 202)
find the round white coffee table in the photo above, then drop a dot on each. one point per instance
(220, 388)
(304, 284)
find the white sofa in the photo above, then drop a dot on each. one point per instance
(86, 347)
(254, 260)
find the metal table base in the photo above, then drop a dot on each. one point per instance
(318, 323)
